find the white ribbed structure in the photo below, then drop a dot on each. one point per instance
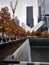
(35, 28)
(40, 24)
(26, 27)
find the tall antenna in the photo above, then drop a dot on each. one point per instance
(13, 8)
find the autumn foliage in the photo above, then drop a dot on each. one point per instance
(44, 34)
(33, 33)
(9, 25)
(39, 33)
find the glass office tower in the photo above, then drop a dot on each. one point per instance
(29, 16)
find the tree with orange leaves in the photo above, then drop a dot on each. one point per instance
(44, 34)
(9, 26)
(38, 33)
(32, 33)
(28, 33)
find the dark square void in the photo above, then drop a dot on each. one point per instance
(39, 54)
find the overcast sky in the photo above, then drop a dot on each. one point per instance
(21, 7)
(20, 10)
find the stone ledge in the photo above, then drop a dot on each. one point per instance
(10, 60)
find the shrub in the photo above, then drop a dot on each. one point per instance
(38, 33)
(44, 34)
(32, 33)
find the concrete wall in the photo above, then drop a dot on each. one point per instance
(23, 52)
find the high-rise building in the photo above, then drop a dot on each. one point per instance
(43, 12)
(41, 8)
(16, 20)
(29, 16)
(47, 19)
(39, 19)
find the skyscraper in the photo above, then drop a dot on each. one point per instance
(17, 20)
(41, 7)
(39, 19)
(29, 16)
(42, 13)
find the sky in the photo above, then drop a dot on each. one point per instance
(21, 8)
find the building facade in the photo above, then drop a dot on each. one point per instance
(47, 19)
(29, 16)
(44, 11)
(41, 9)
(16, 20)
(39, 18)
